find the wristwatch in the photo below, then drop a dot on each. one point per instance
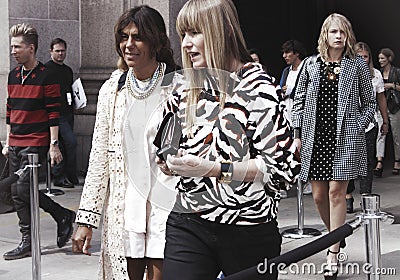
(54, 142)
(226, 172)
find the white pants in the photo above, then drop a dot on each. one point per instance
(394, 120)
(151, 243)
(381, 139)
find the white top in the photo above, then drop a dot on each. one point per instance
(291, 78)
(378, 86)
(143, 175)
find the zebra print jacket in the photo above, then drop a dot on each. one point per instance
(251, 125)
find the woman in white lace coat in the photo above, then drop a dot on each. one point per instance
(123, 181)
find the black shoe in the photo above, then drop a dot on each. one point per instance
(331, 273)
(65, 228)
(378, 171)
(349, 205)
(64, 184)
(342, 244)
(74, 180)
(22, 251)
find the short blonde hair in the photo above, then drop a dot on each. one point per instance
(345, 25)
(224, 43)
(28, 33)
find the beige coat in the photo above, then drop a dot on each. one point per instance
(105, 183)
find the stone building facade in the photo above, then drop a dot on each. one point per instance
(87, 26)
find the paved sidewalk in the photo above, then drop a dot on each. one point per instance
(62, 264)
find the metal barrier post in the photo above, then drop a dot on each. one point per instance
(372, 215)
(300, 231)
(50, 191)
(35, 221)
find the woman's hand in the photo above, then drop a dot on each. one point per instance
(384, 128)
(164, 167)
(389, 85)
(191, 165)
(297, 142)
(81, 240)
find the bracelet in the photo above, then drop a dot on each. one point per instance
(226, 172)
(85, 225)
(296, 133)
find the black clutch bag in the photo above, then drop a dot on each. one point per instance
(168, 136)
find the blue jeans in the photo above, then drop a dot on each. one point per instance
(67, 168)
(197, 249)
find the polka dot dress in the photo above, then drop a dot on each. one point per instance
(321, 167)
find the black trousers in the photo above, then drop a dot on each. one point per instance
(18, 158)
(67, 168)
(197, 249)
(366, 182)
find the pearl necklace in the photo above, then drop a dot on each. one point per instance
(23, 78)
(142, 93)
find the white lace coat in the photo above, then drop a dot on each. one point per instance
(105, 184)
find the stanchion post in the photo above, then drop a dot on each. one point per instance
(300, 208)
(370, 205)
(35, 221)
(300, 231)
(50, 191)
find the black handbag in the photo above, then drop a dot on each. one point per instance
(393, 98)
(393, 101)
(168, 136)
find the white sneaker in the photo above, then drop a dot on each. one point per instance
(283, 194)
(307, 189)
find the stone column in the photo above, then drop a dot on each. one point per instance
(169, 9)
(99, 57)
(4, 65)
(98, 60)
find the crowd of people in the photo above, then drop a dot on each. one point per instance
(245, 138)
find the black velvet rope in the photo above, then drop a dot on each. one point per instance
(295, 255)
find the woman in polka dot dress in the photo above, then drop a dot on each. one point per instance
(334, 103)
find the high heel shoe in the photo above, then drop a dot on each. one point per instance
(349, 205)
(329, 273)
(378, 170)
(396, 171)
(342, 244)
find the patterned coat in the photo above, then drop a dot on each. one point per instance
(356, 107)
(103, 195)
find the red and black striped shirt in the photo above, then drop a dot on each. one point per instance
(32, 107)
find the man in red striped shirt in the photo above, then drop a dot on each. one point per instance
(32, 127)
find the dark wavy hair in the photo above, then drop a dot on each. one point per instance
(151, 29)
(295, 47)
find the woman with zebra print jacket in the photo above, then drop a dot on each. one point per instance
(235, 154)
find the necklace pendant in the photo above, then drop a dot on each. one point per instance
(331, 76)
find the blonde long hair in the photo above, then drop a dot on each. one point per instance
(361, 46)
(345, 25)
(224, 43)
